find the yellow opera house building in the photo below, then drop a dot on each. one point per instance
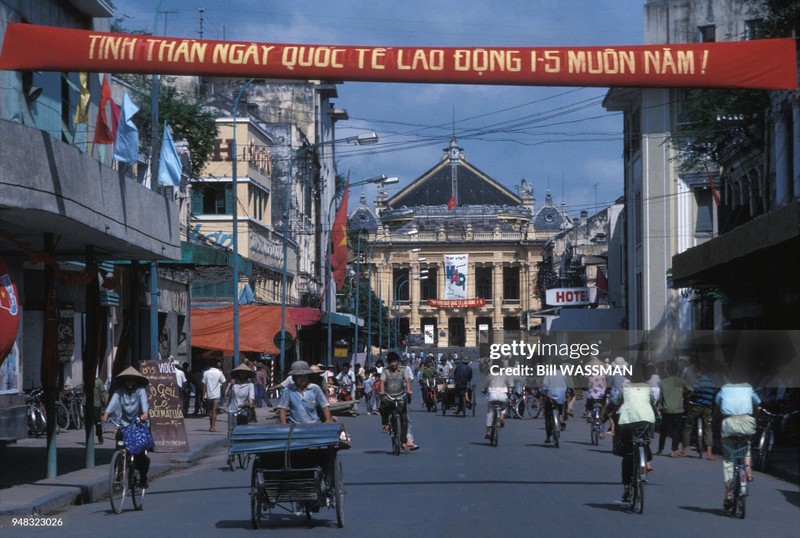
(454, 255)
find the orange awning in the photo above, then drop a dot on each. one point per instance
(259, 328)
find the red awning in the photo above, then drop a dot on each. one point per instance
(259, 328)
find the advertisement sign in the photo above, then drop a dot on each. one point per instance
(429, 331)
(455, 276)
(166, 416)
(571, 296)
(9, 312)
(760, 63)
(66, 332)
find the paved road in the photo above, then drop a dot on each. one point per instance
(458, 485)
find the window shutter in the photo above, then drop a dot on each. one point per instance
(229, 199)
(197, 199)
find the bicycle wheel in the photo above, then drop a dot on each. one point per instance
(396, 441)
(698, 444)
(39, 422)
(472, 403)
(527, 408)
(137, 493)
(62, 416)
(75, 415)
(763, 453)
(556, 427)
(256, 491)
(338, 492)
(594, 434)
(117, 478)
(495, 433)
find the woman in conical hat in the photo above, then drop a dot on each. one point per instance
(240, 394)
(129, 401)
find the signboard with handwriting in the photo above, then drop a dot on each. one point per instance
(166, 415)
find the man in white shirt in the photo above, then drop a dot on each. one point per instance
(213, 379)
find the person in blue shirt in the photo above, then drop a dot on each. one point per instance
(555, 389)
(735, 402)
(701, 405)
(129, 402)
(302, 398)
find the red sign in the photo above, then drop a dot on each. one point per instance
(457, 303)
(765, 64)
(9, 312)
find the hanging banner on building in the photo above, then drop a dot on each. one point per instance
(571, 296)
(166, 415)
(66, 332)
(457, 303)
(455, 276)
(765, 63)
(430, 334)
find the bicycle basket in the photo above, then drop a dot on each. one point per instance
(137, 438)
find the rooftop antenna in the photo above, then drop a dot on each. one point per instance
(454, 121)
(166, 15)
(202, 10)
(595, 196)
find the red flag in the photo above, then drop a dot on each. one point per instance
(339, 240)
(714, 192)
(452, 203)
(105, 132)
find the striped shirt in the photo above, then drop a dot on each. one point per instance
(703, 391)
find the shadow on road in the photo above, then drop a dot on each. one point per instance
(614, 507)
(481, 482)
(715, 511)
(791, 496)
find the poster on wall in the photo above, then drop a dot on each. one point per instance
(455, 276)
(166, 416)
(430, 331)
(66, 332)
(9, 372)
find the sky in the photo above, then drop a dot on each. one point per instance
(559, 138)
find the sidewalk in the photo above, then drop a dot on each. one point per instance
(25, 489)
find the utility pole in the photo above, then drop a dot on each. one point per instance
(166, 15)
(202, 10)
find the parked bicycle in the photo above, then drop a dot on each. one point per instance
(123, 476)
(37, 416)
(737, 450)
(72, 401)
(641, 438)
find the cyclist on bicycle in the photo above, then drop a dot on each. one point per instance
(736, 402)
(637, 408)
(496, 389)
(130, 402)
(240, 394)
(427, 374)
(462, 375)
(302, 398)
(554, 388)
(395, 385)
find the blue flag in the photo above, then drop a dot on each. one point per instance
(126, 145)
(169, 166)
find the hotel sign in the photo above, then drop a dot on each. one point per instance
(570, 296)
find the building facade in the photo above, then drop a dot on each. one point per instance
(455, 209)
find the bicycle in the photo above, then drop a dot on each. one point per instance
(240, 460)
(394, 423)
(524, 406)
(37, 416)
(764, 439)
(737, 450)
(123, 476)
(596, 422)
(640, 439)
(494, 431)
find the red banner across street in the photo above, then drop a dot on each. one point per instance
(764, 64)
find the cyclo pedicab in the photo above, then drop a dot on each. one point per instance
(447, 395)
(296, 466)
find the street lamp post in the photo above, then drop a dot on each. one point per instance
(360, 140)
(400, 284)
(235, 225)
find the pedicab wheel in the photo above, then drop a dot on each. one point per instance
(338, 492)
(243, 460)
(117, 476)
(256, 491)
(137, 493)
(231, 462)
